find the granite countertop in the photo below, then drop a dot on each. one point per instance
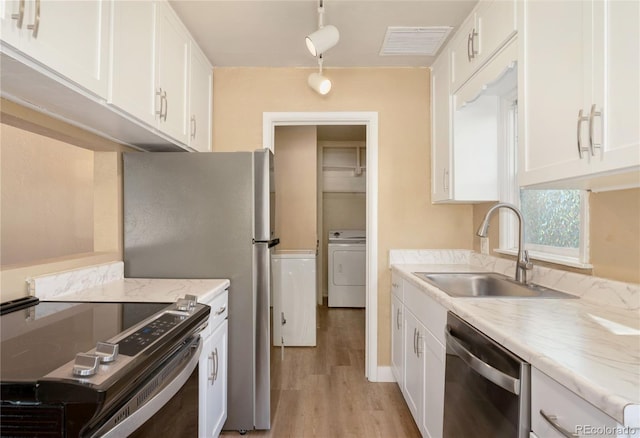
(145, 290)
(565, 339)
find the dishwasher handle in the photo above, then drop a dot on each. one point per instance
(490, 373)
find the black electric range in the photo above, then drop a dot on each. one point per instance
(81, 368)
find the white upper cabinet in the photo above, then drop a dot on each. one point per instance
(132, 85)
(158, 74)
(440, 129)
(172, 63)
(492, 24)
(579, 107)
(69, 37)
(200, 101)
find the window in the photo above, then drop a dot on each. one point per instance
(556, 221)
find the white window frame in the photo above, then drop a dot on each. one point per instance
(509, 191)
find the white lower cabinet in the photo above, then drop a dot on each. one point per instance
(423, 356)
(556, 412)
(397, 340)
(212, 369)
(414, 364)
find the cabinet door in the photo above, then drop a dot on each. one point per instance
(414, 367)
(553, 81)
(132, 61)
(200, 95)
(397, 340)
(440, 129)
(617, 84)
(70, 38)
(496, 22)
(172, 68)
(13, 21)
(213, 383)
(433, 415)
(462, 57)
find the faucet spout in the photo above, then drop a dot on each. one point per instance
(523, 263)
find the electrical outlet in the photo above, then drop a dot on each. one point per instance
(484, 245)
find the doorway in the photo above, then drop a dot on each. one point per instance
(370, 121)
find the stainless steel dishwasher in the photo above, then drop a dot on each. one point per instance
(487, 388)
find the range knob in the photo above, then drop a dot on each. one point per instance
(86, 365)
(187, 304)
(107, 352)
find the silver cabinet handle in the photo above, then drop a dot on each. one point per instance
(414, 340)
(162, 112)
(418, 344)
(553, 421)
(221, 310)
(445, 180)
(215, 373)
(211, 361)
(484, 369)
(581, 119)
(469, 48)
(20, 15)
(472, 37)
(398, 319)
(593, 114)
(159, 94)
(193, 127)
(166, 106)
(36, 21)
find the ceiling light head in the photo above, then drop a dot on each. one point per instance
(322, 39)
(321, 84)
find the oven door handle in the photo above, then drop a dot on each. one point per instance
(155, 403)
(490, 373)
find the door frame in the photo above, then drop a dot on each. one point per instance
(370, 120)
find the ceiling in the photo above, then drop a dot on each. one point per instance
(270, 33)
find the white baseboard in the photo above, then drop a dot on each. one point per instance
(385, 375)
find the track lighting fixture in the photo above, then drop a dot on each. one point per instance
(321, 84)
(324, 38)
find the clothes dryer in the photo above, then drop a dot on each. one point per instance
(347, 257)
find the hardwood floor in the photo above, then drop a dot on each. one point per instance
(322, 392)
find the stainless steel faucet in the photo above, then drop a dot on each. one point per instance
(523, 264)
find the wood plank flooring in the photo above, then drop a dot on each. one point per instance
(322, 392)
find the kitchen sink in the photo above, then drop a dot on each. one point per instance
(485, 284)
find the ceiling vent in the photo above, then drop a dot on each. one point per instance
(423, 41)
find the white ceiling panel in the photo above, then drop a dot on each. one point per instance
(249, 33)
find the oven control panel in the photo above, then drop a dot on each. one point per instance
(147, 335)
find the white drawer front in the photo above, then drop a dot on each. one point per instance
(567, 410)
(396, 286)
(219, 312)
(430, 313)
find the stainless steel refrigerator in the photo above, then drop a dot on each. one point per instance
(211, 215)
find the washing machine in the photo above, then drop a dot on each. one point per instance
(347, 260)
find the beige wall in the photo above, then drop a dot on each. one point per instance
(61, 203)
(47, 197)
(614, 235)
(296, 190)
(400, 96)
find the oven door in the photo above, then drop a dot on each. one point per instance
(166, 404)
(486, 386)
